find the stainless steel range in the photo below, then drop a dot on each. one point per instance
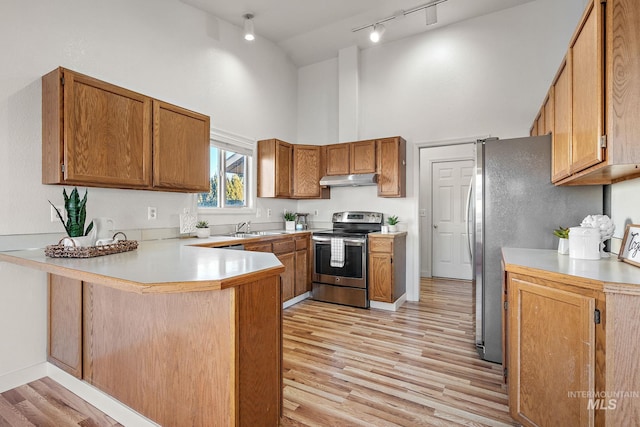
(340, 258)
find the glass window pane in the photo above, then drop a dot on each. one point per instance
(235, 179)
(210, 199)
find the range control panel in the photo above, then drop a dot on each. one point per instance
(357, 217)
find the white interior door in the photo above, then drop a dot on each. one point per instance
(450, 186)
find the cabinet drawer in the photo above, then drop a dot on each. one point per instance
(302, 243)
(381, 245)
(284, 246)
(258, 247)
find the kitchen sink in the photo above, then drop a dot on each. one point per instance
(269, 233)
(243, 235)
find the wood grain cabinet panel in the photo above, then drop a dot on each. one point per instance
(100, 135)
(552, 352)
(289, 275)
(338, 159)
(561, 141)
(587, 100)
(387, 257)
(308, 168)
(599, 79)
(302, 266)
(362, 157)
(94, 133)
(392, 167)
(274, 168)
(180, 148)
(65, 324)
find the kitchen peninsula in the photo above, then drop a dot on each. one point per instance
(184, 335)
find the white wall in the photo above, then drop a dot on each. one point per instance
(625, 205)
(483, 76)
(161, 48)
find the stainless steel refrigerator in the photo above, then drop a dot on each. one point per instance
(514, 204)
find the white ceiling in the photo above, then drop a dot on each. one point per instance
(314, 30)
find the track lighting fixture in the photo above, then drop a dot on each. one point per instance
(376, 32)
(249, 34)
(377, 29)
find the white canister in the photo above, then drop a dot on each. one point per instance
(584, 243)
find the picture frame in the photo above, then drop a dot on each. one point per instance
(630, 248)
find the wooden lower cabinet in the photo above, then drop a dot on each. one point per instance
(552, 353)
(64, 346)
(192, 358)
(387, 271)
(294, 253)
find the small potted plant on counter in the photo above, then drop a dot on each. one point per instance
(289, 221)
(563, 242)
(393, 223)
(76, 217)
(202, 229)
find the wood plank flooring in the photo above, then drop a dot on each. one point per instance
(417, 367)
(347, 367)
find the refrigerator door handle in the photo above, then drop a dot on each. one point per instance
(467, 212)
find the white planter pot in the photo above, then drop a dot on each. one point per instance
(563, 246)
(393, 228)
(203, 233)
(290, 225)
(79, 242)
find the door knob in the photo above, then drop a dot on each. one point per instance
(435, 226)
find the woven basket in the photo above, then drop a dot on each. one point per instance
(62, 251)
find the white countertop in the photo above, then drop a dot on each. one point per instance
(157, 266)
(614, 274)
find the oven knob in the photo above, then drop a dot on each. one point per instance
(337, 279)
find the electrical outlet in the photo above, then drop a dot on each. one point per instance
(152, 213)
(315, 213)
(54, 215)
(268, 213)
(258, 212)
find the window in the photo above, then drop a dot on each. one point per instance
(230, 174)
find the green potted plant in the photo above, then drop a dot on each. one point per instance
(289, 221)
(202, 229)
(76, 209)
(563, 242)
(393, 223)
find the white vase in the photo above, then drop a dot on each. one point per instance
(203, 233)
(393, 228)
(563, 246)
(290, 225)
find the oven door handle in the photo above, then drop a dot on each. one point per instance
(346, 241)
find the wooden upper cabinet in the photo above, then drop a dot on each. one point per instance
(392, 167)
(534, 128)
(274, 168)
(97, 134)
(338, 159)
(541, 122)
(561, 141)
(548, 113)
(94, 133)
(362, 157)
(180, 149)
(587, 79)
(308, 165)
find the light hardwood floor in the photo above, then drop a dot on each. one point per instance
(347, 367)
(417, 367)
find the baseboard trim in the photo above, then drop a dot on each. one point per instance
(387, 305)
(296, 300)
(22, 376)
(105, 403)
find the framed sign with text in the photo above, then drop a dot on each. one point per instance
(630, 249)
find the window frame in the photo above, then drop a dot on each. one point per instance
(228, 141)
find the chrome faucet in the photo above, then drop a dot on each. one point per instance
(243, 224)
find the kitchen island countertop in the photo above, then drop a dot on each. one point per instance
(161, 266)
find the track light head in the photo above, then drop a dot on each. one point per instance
(432, 14)
(249, 33)
(376, 33)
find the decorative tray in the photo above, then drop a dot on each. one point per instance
(62, 251)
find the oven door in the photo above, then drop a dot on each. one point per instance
(354, 271)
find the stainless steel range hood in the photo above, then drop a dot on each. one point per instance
(355, 180)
